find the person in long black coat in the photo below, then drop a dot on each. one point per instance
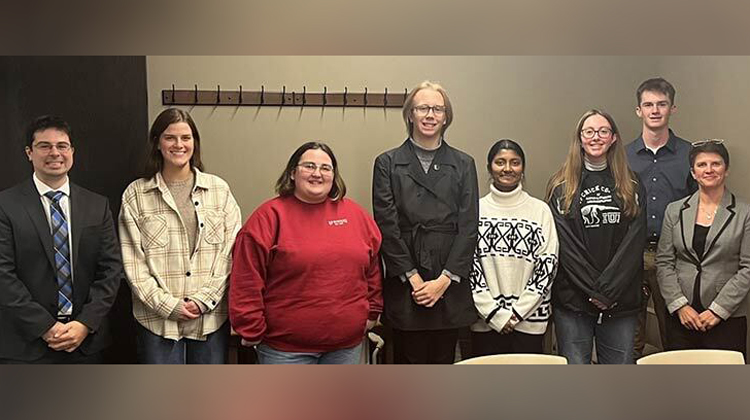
(425, 201)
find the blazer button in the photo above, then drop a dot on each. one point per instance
(196, 203)
(201, 224)
(213, 302)
(187, 274)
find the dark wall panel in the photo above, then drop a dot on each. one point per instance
(106, 103)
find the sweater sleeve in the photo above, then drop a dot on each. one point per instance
(622, 270)
(489, 309)
(545, 268)
(373, 273)
(253, 250)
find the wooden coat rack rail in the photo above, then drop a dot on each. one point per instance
(219, 97)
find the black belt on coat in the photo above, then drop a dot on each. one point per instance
(417, 231)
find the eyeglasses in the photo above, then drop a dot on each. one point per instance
(423, 110)
(604, 133)
(310, 167)
(45, 147)
(707, 141)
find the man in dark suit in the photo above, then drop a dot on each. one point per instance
(60, 264)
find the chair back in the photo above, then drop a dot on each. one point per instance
(693, 357)
(515, 359)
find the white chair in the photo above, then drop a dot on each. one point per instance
(515, 359)
(693, 357)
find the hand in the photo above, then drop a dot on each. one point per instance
(54, 332)
(193, 307)
(431, 291)
(72, 337)
(184, 314)
(690, 318)
(416, 281)
(599, 304)
(709, 320)
(246, 343)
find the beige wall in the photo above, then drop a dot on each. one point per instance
(534, 100)
(713, 101)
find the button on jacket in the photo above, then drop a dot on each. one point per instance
(160, 268)
(429, 222)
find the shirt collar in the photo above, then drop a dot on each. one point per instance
(670, 144)
(43, 188)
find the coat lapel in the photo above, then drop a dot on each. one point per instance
(687, 225)
(33, 205)
(407, 156)
(724, 215)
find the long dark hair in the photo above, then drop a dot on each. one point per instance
(154, 159)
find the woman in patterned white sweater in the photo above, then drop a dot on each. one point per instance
(515, 260)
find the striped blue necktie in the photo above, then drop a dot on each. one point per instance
(62, 254)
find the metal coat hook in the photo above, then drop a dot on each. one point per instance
(365, 95)
(172, 92)
(262, 94)
(240, 100)
(294, 98)
(385, 98)
(304, 95)
(283, 95)
(196, 94)
(346, 91)
(325, 95)
(406, 93)
(218, 94)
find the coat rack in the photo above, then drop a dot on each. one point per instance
(219, 97)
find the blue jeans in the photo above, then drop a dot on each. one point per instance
(155, 349)
(270, 356)
(575, 333)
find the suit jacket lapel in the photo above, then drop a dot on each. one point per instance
(33, 205)
(687, 224)
(724, 215)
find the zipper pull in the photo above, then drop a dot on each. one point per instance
(599, 321)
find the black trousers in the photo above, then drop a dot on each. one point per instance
(53, 357)
(727, 335)
(424, 347)
(492, 342)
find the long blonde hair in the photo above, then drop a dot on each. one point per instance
(570, 174)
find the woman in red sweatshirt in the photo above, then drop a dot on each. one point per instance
(306, 280)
